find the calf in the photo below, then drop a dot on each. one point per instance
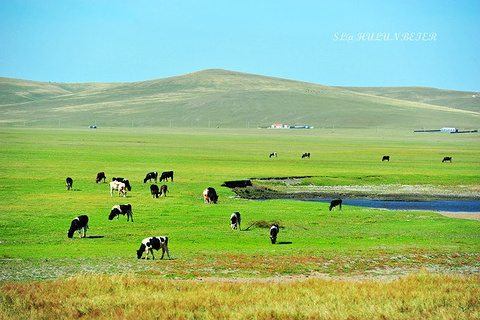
(122, 209)
(150, 176)
(210, 195)
(148, 244)
(154, 190)
(69, 183)
(235, 219)
(78, 224)
(445, 159)
(306, 155)
(100, 176)
(386, 158)
(165, 175)
(335, 203)
(274, 230)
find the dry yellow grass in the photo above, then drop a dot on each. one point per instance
(420, 296)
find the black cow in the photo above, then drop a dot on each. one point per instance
(445, 159)
(235, 219)
(149, 244)
(165, 175)
(210, 195)
(125, 181)
(154, 190)
(273, 154)
(150, 176)
(122, 209)
(69, 183)
(306, 155)
(335, 203)
(79, 223)
(100, 176)
(274, 230)
(386, 158)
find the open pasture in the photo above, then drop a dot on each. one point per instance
(37, 208)
(356, 243)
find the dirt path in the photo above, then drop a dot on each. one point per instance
(462, 215)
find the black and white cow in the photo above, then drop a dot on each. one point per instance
(149, 244)
(335, 203)
(125, 181)
(154, 190)
(100, 176)
(79, 224)
(235, 220)
(69, 183)
(273, 154)
(306, 155)
(445, 159)
(210, 195)
(120, 186)
(165, 175)
(386, 158)
(274, 230)
(150, 176)
(122, 209)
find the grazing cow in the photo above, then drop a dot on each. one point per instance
(150, 176)
(127, 183)
(78, 224)
(210, 195)
(274, 230)
(69, 183)
(100, 176)
(306, 155)
(386, 158)
(122, 209)
(235, 219)
(120, 186)
(154, 190)
(273, 154)
(163, 190)
(151, 243)
(335, 203)
(445, 159)
(165, 175)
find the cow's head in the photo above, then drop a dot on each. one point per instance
(141, 251)
(73, 228)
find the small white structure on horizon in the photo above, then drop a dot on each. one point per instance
(280, 126)
(449, 129)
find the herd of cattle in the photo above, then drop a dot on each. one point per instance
(147, 246)
(122, 185)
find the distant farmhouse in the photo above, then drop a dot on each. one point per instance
(285, 126)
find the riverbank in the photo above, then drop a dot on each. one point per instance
(290, 188)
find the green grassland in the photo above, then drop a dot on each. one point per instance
(37, 209)
(223, 98)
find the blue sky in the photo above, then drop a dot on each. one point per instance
(344, 43)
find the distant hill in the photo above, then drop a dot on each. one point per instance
(231, 99)
(448, 98)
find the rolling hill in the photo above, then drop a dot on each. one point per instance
(231, 99)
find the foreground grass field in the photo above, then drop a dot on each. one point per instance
(356, 242)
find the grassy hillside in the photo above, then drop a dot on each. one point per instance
(218, 98)
(448, 98)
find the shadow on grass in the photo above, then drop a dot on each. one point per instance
(95, 237)
(285, 242)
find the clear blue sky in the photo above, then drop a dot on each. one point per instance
(344, 43)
